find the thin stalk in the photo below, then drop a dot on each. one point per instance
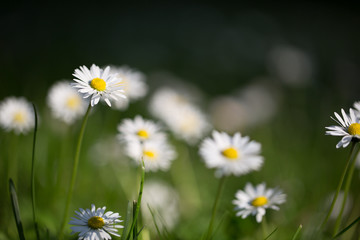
(297, 232)
(339, 186)
(264, 227)
(138, 201)
(346, 193)
(74, 171)
(135, 226)
(33, 177)
(218, 194)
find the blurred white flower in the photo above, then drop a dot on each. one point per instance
(65, 102)
(338, 204)
(157, 154)
(235, 155)
(99, 84)
(291, 65)
(95, 224)
(105, 150)
(349, 128)
(139, 129)
(251, 106)
(163, 201)
(134, 83)
(255, 200)
(182, 117)
(16, 114)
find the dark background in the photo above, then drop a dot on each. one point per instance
(215, 46)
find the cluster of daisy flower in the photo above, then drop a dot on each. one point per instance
(237, 155)
(145, 141)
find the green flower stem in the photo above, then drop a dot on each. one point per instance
(73, 176)
(33, 177)
(339, 186)
(218, 194)
(264, 227)
(346, 192)
(136, 214)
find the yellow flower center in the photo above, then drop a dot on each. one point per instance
(354, 129)
(96, 222)
(259, 201)
(19, 117)
(143, 134)
(73, 102)
(149, 154)
(98, 84)
(230, 153)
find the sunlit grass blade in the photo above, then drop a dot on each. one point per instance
(16, 210)
(268, 236)
(346, 193)
(128, 218)
(138, 201)
(347, 228)
(218, 194)
(74, 172)
(339, 186)
(155, 222)
(33, 176)
(297, 232)
(135, 225)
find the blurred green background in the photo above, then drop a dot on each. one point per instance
(308, 52)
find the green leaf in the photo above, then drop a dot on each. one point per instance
(16, 210)
(347, 228)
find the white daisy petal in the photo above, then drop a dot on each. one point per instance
(255, 200)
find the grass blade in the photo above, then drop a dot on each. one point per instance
(347, 228)
(297, 232)
(127, 220)
(154, 220)
(16, 210)
(268, 236)
(33, 176)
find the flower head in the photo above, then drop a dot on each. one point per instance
(255, 200)
(65, 102)
(231, 155)
(139, 129)
(349, 128)
(98, 83)
(182, 117)
(95, 224)
(157, 154)
(134, 85)
(16, 114)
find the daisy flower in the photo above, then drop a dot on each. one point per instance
(349, 128)
(16, 114)
(139, 129)
(157, 154)
(65, 102)
(95, 224)
(183, 118)
(255, 200)
(134, 85)
(235, 155)
(98, 83)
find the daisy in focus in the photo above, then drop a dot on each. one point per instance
(99, 84)
(139, 129)
(65, 102)
(134, 83)
(255, 200)
(235, 155)
(95, 224)
(349, 128)
(156, 154)
(16, 114)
